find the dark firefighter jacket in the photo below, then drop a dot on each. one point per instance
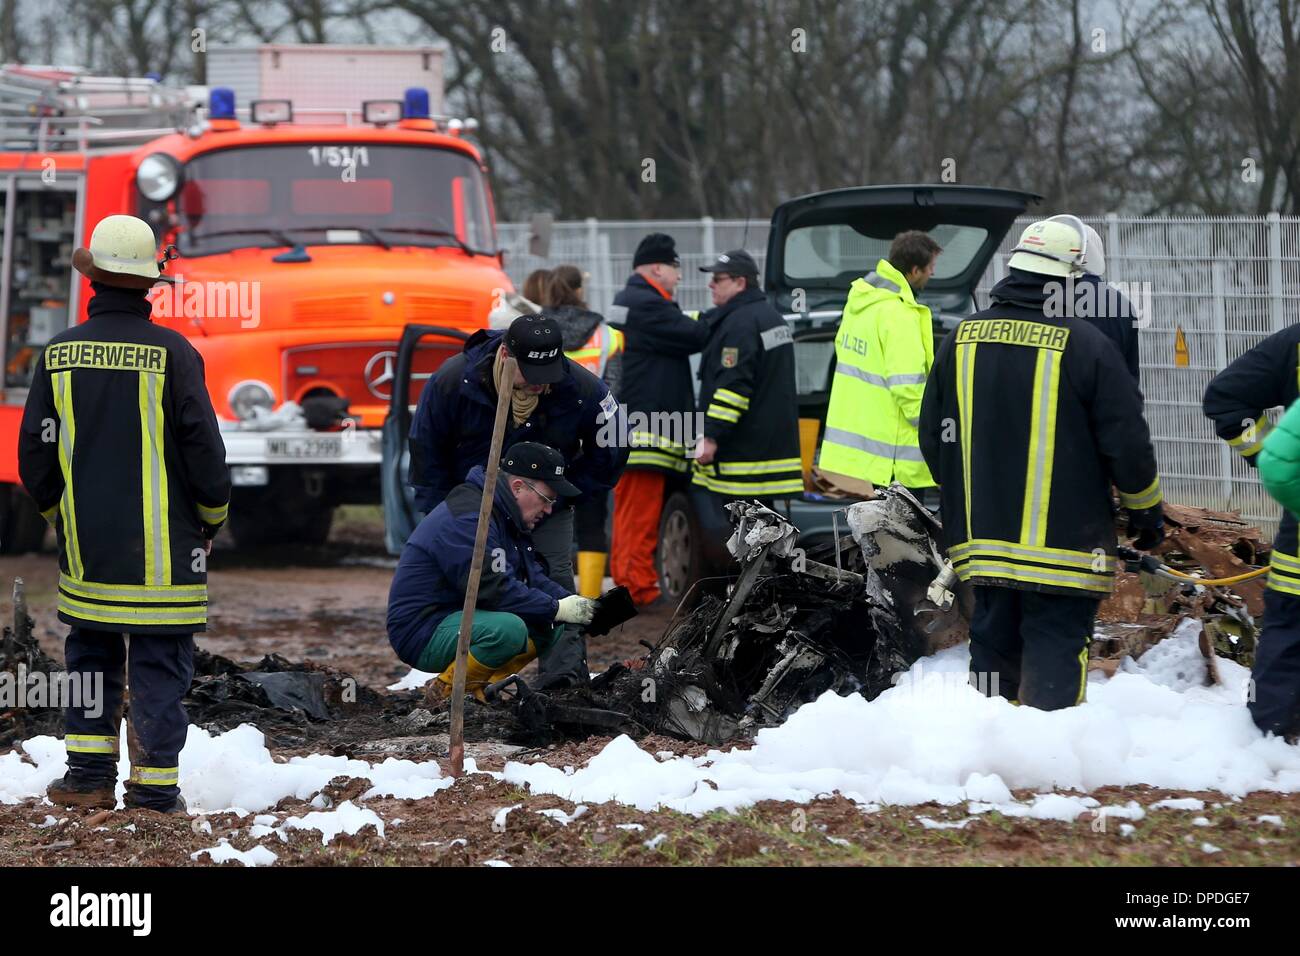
(1107, 308)
(433, 571)
(120, 449)
(747, 391)
(451, 430)
(656, 390)
(1236, 398)
(1025, 423)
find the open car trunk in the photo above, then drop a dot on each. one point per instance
(820, 243)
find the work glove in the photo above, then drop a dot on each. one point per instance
(1147, 525)
(575, 609)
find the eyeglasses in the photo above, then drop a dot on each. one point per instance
(718, 277)
(547, 498)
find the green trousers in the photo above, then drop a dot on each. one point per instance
(494, 638)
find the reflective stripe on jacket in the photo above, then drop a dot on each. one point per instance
(656, 389)
(883, 352)
(120, 449)
(1027, 421)
(1236, 400)
(747, 391)
(596, 352)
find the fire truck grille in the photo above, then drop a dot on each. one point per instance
(436, 310)
(331, 310)
(362, 372)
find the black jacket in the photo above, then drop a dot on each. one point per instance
(660, 339)
(1026, 422)
(120, 449)
(451, 430)
(1263, 377)
(1104, 306)
(747, 391)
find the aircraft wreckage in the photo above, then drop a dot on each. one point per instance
(742, 652)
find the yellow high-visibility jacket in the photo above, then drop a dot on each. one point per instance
(883, 351)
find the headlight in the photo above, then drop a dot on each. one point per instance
(158, 177)
(249, 395)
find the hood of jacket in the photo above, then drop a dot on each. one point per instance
(109, 298)
(576, 325)
(1028, 290)
(503, 501)
(883, 283)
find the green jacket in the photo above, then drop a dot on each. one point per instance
(1279, 461)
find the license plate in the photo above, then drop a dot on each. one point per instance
(325, 446)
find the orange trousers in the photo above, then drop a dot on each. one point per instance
(638, 501)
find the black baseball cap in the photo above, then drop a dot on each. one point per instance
(737, 262)
(536, 343)
(530, 459)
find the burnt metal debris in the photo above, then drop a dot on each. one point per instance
(23, 661)
(843, 617)
(741, 653)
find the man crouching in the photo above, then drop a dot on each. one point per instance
(520, 610)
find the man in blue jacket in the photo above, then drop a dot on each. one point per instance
(554, 401)
(520, 610)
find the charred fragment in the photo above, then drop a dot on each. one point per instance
(845, 618)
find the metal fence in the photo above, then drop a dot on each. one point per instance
(1226, 283)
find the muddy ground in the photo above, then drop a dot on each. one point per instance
(327, 605)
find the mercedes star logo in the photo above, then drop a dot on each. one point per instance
(379, 372)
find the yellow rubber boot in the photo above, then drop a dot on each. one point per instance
(477, 676)
(515, 664)
(591, 573)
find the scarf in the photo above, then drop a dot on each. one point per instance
(522, 402)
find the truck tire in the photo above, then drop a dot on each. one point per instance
(22, 529)
(679, 557)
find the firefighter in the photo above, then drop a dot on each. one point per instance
(659, 398)
(1235, 400)
(120, 449)
(1027, 420)
(750, 444)
(883, 352)
(589, 341)
(520, 610)
(554, 401)
(1102, 304)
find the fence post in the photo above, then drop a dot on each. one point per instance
(1112, 243)
(604, 274)
(710, 245)
(1275, 269)
(1218, 292)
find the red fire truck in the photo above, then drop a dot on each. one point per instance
(307, 240)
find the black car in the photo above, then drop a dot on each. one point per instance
(818, 245)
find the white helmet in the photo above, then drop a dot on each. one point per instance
(1051, 247)
(122, 252)
(1094, 255)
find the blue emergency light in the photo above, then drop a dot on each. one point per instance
(415, 103)
(221, 103)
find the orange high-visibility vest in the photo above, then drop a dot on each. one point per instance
(604, 344)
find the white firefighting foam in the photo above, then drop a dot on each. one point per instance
(930, 738)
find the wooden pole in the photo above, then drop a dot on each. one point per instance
(457, 753)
